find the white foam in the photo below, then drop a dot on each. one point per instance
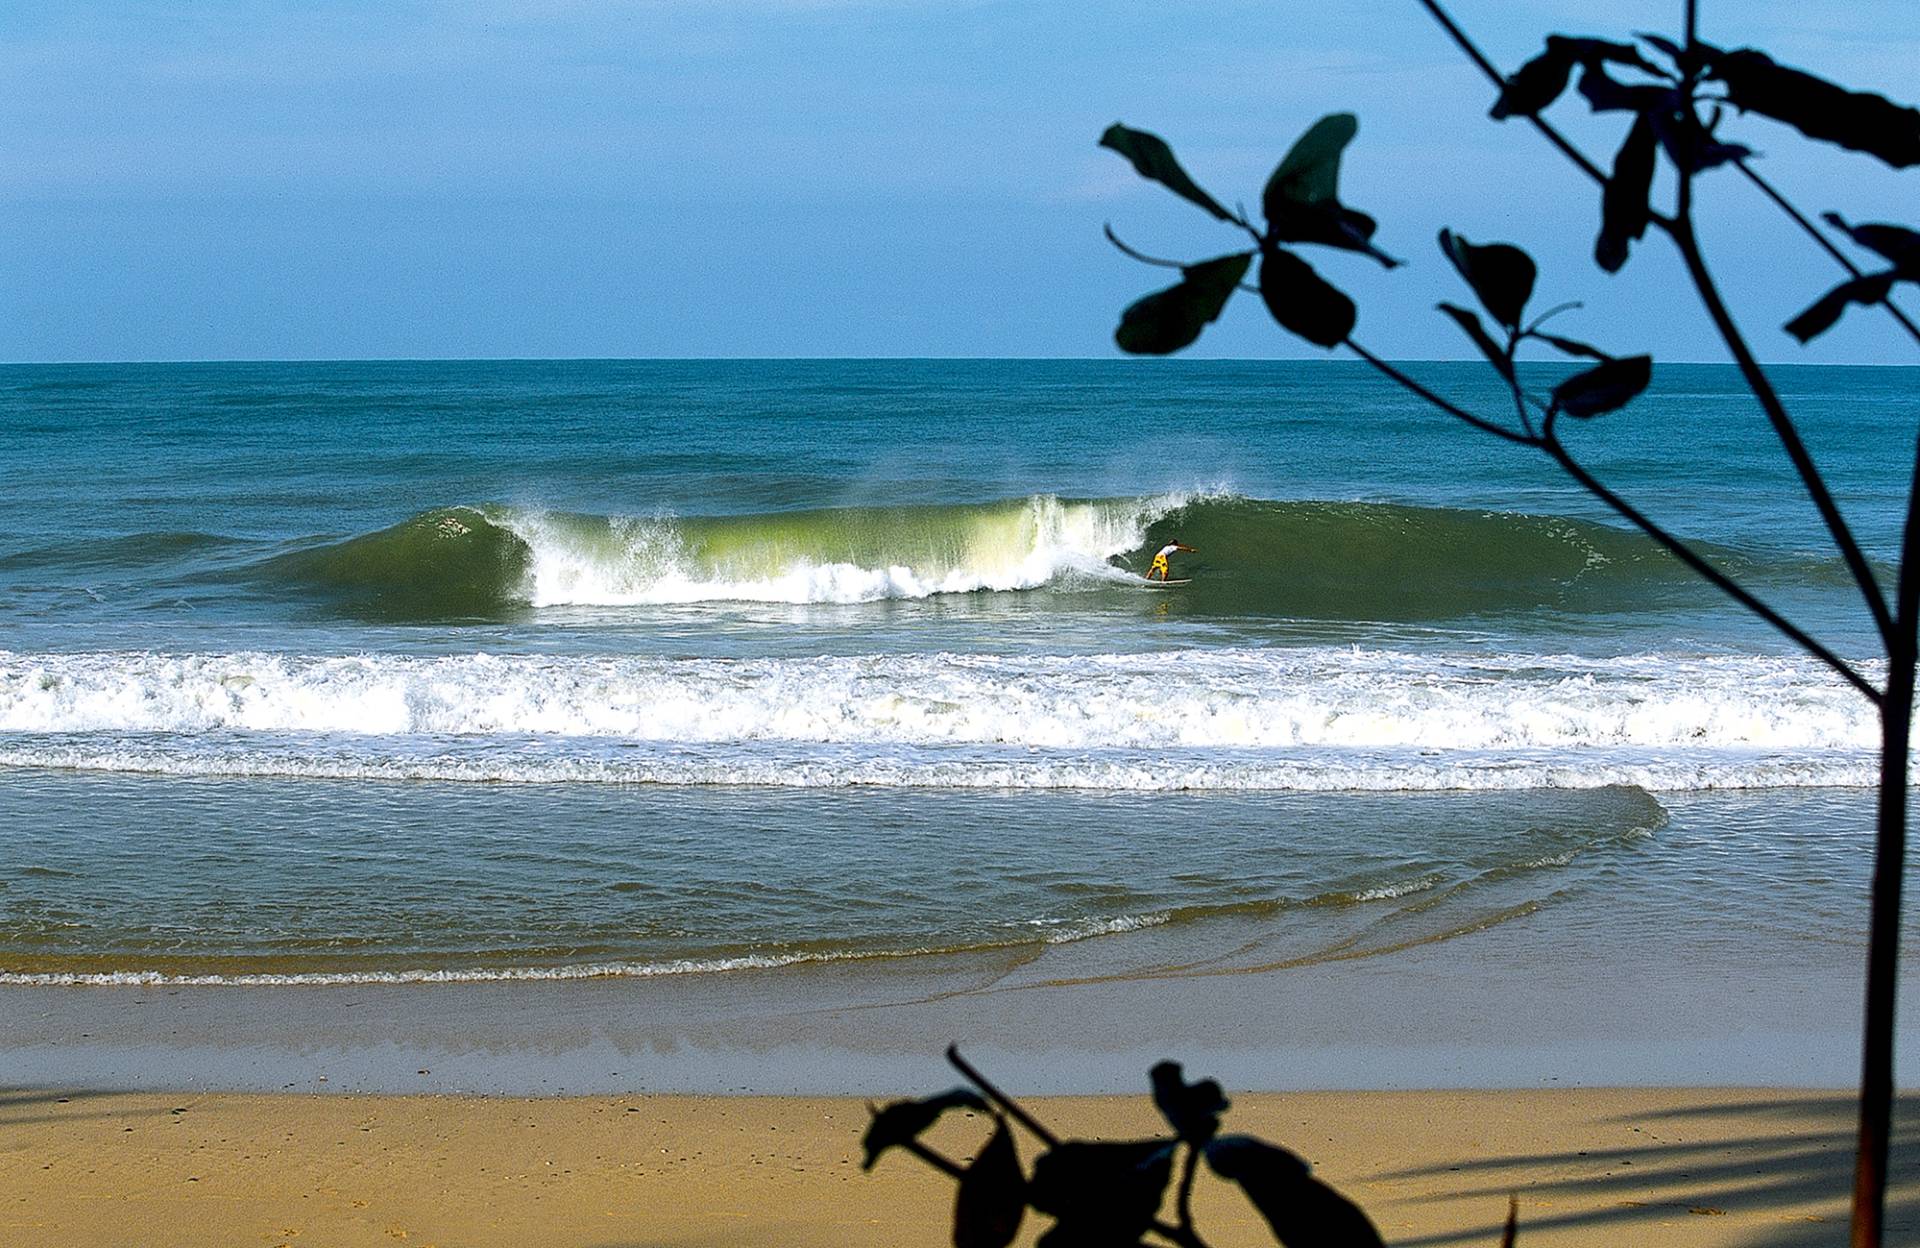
(1239, 771)
(1232, 698)
(647, 561)
(1058, 935)
(1304, 718)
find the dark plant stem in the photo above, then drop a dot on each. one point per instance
(1545, 127)
(1706, 571)
(1513, 384)
(1680, 229)
(938, 1161)
(1826, 244)
(1889, 861)
(1783, 426)
(1593, 171)
(1634, 516)
(1883, 950)
(1459, 413)
(1011, 1107)
(1183, 1235)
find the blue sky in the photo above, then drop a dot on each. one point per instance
(822, 177)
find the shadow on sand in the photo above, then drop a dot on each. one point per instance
(1763, 1157)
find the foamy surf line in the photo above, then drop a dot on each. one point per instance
(1329, 771)
(1297, 700)
(1068, 934)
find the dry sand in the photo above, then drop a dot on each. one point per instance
(1673, 1167)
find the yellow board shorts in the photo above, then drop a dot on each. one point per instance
(1160, 566)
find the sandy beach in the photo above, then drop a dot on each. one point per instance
(1759, 1168)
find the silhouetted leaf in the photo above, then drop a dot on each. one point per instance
(902, 1121)
(992, 1196)
(1302, 301)
(1819, 318)
(1104, 1193)
(1896, 242)
(1666, 45)
(1533, 86)
(1606, 94)
(1691, 146)
(1310, 171)
(1573, 346)
(1470, 321)
(1153, 159)
(1623, 205)
(1170, 319)
(1607, 387)
(1192, 1109)
(1589, 51)
(1541, 80)
(1303, 1212)
(1329, 224)
(1501, 275)
(1819, 109)
(1302, 198)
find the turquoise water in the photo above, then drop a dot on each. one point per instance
(458, 670)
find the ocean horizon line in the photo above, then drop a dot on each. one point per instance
(1187, 360)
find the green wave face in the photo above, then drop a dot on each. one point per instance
(451, 563)
(1301, 560)
(1382, 561)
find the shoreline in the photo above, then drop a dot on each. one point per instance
(1528, 1002)
(1755, 1167)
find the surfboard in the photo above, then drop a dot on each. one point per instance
(1173, 584)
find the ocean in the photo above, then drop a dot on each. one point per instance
(361, 673)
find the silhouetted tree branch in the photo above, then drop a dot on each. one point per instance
(1301, 206)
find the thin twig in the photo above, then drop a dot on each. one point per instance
(1673, 545)
(1680, 229)
(1005, 1102)
(1513, 384)
(936, 1160)
(1593, 171)
(1826, 244)
(1550, 313)
(1782, 423)
(1687, 555)
(1141, 256)
(1499, 80)
(1458, 413)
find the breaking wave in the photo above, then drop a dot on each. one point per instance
(1309, 560)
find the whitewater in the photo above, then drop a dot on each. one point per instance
(420, 674)
(1309, 719)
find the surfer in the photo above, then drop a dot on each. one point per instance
(1160, 560)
